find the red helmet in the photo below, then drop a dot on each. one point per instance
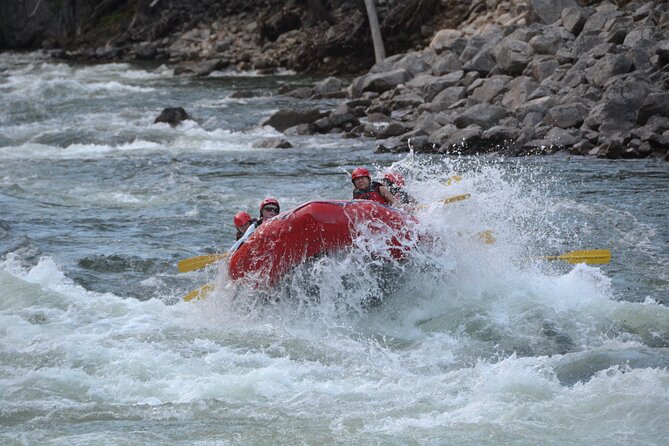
(395, 178)
(359, 173)
(267, 201)
(241, 218)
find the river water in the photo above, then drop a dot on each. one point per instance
(467, 343)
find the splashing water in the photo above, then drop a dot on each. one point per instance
(464, 342)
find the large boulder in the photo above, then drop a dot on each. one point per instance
(622, 102)
(380, 82)
(567, 115)
(290, 117)
(549, 11)
(483, 115)
(513, 56)
(608, 66)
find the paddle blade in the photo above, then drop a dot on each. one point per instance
(455, 198)
(200, 293)
(591, 257)
(487, 237)
(447, 200)
(451, 180)
(199, 262)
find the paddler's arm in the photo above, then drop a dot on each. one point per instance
(383, 190)
(243, 238)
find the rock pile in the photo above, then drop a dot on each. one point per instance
(590, 80)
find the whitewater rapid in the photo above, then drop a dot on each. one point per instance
(466, 343)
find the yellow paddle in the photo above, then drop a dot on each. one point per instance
(451, 180)
(455, 198)
(200, 293)
(487, 237)
(591, 257)
(447, 200)
(199, 262)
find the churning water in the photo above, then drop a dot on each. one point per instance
(466, 343)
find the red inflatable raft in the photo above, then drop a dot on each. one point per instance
(313, 228)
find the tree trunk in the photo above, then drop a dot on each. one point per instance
(377, 40)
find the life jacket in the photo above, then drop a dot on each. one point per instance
(371, 193)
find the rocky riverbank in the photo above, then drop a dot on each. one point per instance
(514, 77)
(588, 80)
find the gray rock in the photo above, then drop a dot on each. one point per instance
(543, 67)
(662, 50)
(608, 66)
(501, 136)
(440, 136)
(480, 42)
(660, 143)
(421, 80)
(379, 108)
(585, 42)
(386, 130)
(483, 115)
(490, 88)
(447, 63)
(172, 116)
(322, 125)
(539, 105)
(425, 124)
(533, 119)
(343, 115)
(438, 84)
(413, 62)
(462, 140)
(469, 78)
(299, 92)
(643, 11)
(540, 92)
(513, 56)
(447, 39)
(518, 91)
(622, 101)
(637, 35)
(558, 137)
(573, 19)
(482, 62)
(298, 130)
(551, 40)
(655, 104)
(272, 143)
(595, 23)
(642, 55)
(381, 82)
(406, 100)
(567, 115)
(290, 117)
(146, 50)
(386, 64)
(611, 148)
(328, 85)
(549, 11)
(450, 95)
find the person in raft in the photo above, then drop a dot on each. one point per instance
(366, 189)
(269, 208)
(242, 221)
(395, 184)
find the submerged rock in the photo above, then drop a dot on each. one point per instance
(172, 116)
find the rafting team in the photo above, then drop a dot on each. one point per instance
(389, 191)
